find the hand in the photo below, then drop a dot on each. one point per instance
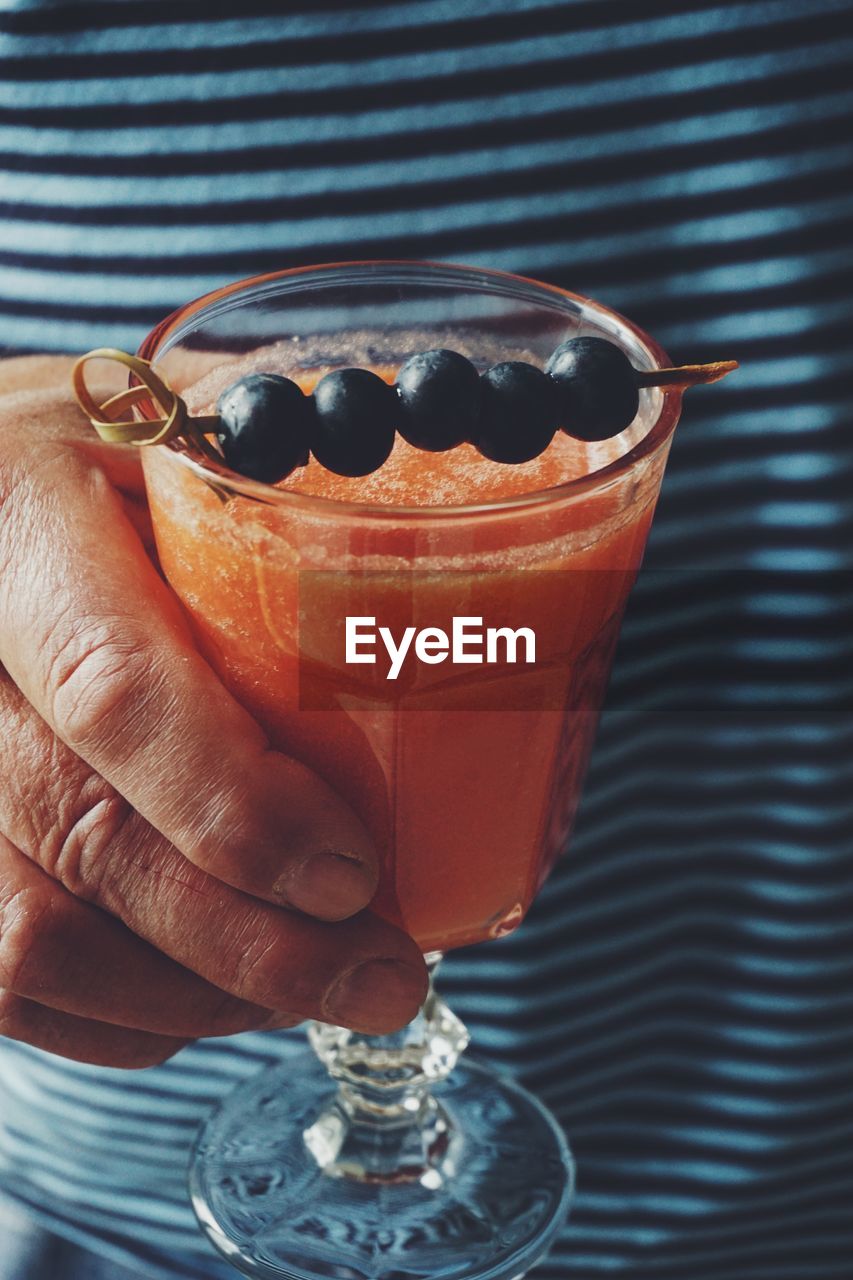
(159, 863)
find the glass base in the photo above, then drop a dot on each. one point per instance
(483, 1195)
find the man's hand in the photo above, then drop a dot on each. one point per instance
(159, 864)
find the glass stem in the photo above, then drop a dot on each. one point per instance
(383, 1124)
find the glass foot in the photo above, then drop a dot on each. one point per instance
(481, 1193)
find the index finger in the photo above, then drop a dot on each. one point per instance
(97, 643)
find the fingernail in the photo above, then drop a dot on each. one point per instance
(377, 996)
(330, 886)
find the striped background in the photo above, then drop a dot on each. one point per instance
(681, 994)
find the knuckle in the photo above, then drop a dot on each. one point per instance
(85, 838)
(98, 675)
(62, 815)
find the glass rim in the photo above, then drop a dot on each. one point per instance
(225, 479)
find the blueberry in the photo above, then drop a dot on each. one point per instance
(519, 412)
(264, 426)
(355, 415)
(597, 386)
(440, 400)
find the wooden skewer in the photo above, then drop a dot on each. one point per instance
(686, 375)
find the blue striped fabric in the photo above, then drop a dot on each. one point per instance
(680, 994)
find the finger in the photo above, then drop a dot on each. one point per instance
(99, 645)
(47, 415)
(34, 373)
(120, 463)
(43, 380)
(79, 1038)
(53, 417)
(55, 809)
(70, 956)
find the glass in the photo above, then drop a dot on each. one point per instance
(389, 1165)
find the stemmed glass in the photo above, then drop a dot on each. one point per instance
(355, 1156)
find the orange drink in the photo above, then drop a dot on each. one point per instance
(467, 774)
(434, 639)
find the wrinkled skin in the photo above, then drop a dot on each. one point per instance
(155, 883)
